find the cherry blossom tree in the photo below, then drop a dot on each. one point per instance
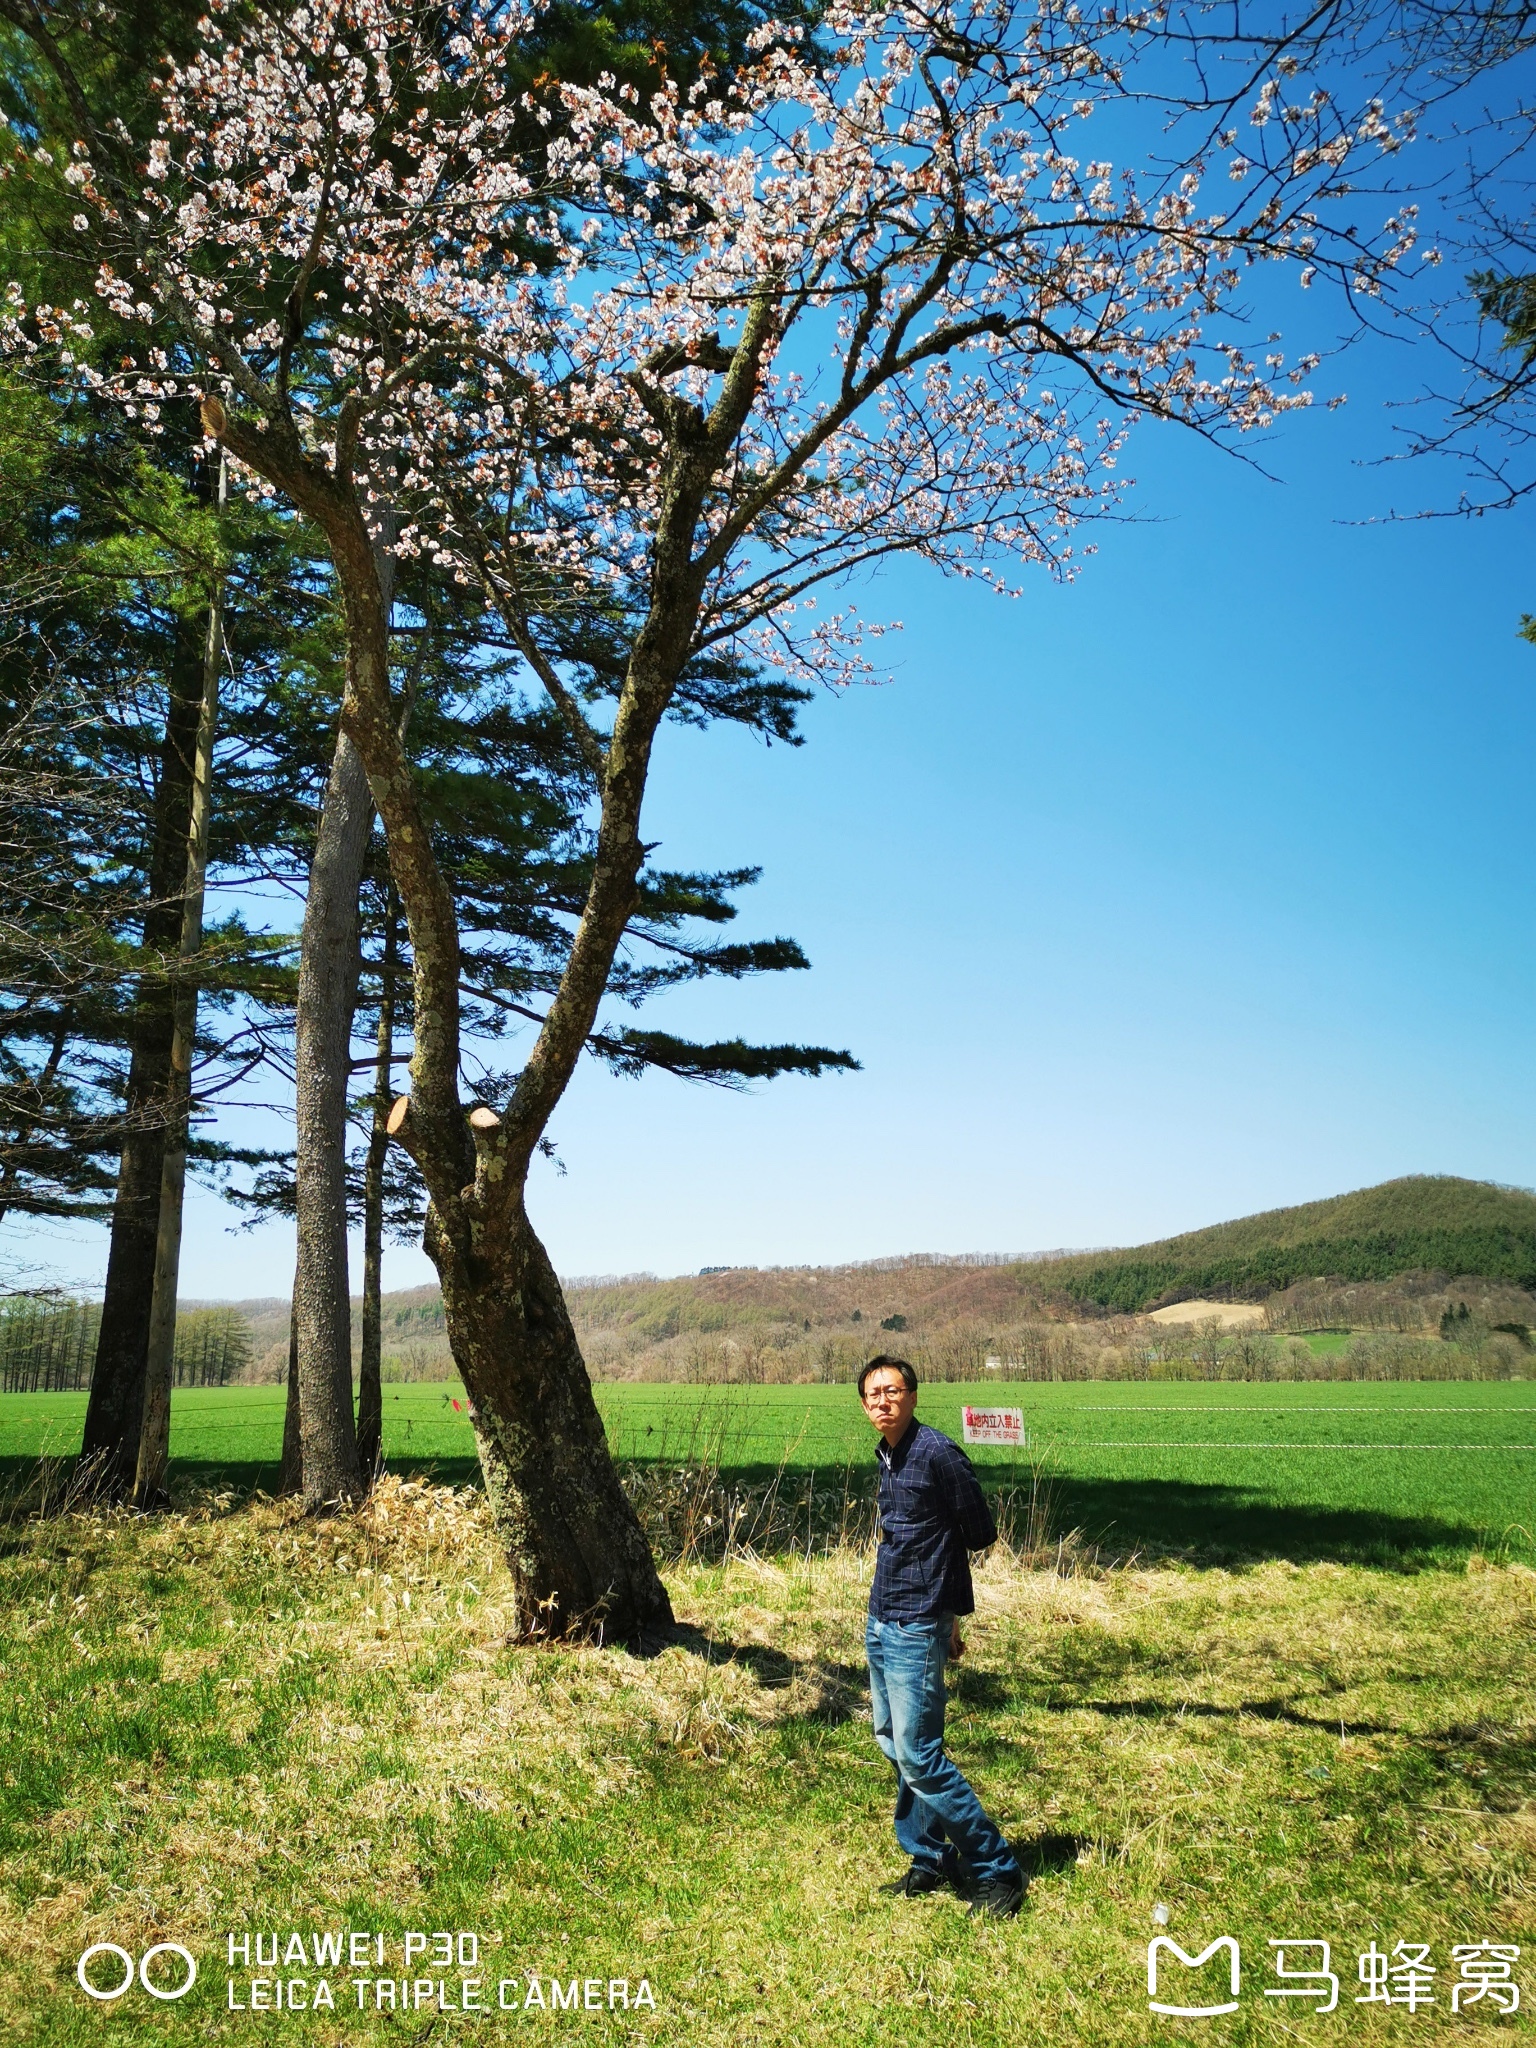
(1460, 75)
(664, 374)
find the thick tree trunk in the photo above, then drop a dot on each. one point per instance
(149, 1488)
(110, 1445)
(149, 1485)
(370, 1392)
(328, 971)
(579, 1560)
(290, 1478)
(327, 997)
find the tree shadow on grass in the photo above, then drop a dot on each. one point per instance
(29, 1486)
(1262, 1710)
(1145, 1519)
(1210, 1524)
(1199, 1523)
(1044, 1855)
(1488, 1764)
(1500, 1757)
(253, 1475)
(838, 1689)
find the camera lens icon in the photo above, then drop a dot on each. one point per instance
(104, 1995)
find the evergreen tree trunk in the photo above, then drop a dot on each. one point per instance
(114, 1411)
(327, 996)
(149, 1489)
(290, 1478)
(328, 972)
(155, 1427)
(370, 1392)
(580, 1562)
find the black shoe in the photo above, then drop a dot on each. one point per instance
(917, 1882)
(999, 1899)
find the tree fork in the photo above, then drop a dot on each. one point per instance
(579, 1560)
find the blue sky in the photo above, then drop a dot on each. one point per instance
(1190, 889)
(1195, 887)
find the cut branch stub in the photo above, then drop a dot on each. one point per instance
(399, 1110)
(483, 1119)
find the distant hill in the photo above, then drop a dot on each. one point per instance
(1460, 1230)
(1470, 1236)
(1424, 1223)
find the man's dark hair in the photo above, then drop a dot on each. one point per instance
(908, 1372)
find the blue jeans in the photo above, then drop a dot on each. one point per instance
(934, 1804)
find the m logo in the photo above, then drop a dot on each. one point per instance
(1191, 2012)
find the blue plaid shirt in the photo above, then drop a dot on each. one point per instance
(932, 1511)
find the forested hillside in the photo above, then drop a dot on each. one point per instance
(1431, 1223)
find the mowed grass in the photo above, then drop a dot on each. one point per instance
(1377, 1471)
(230, 1720)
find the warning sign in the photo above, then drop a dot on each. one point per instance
(996, 1426)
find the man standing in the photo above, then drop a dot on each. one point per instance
(932, 1512)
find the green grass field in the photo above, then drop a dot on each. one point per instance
(1327, 1343)
(1297, 1708)
(232, 1721)
(1375, 1471)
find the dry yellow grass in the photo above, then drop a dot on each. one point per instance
(1227, 1315)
